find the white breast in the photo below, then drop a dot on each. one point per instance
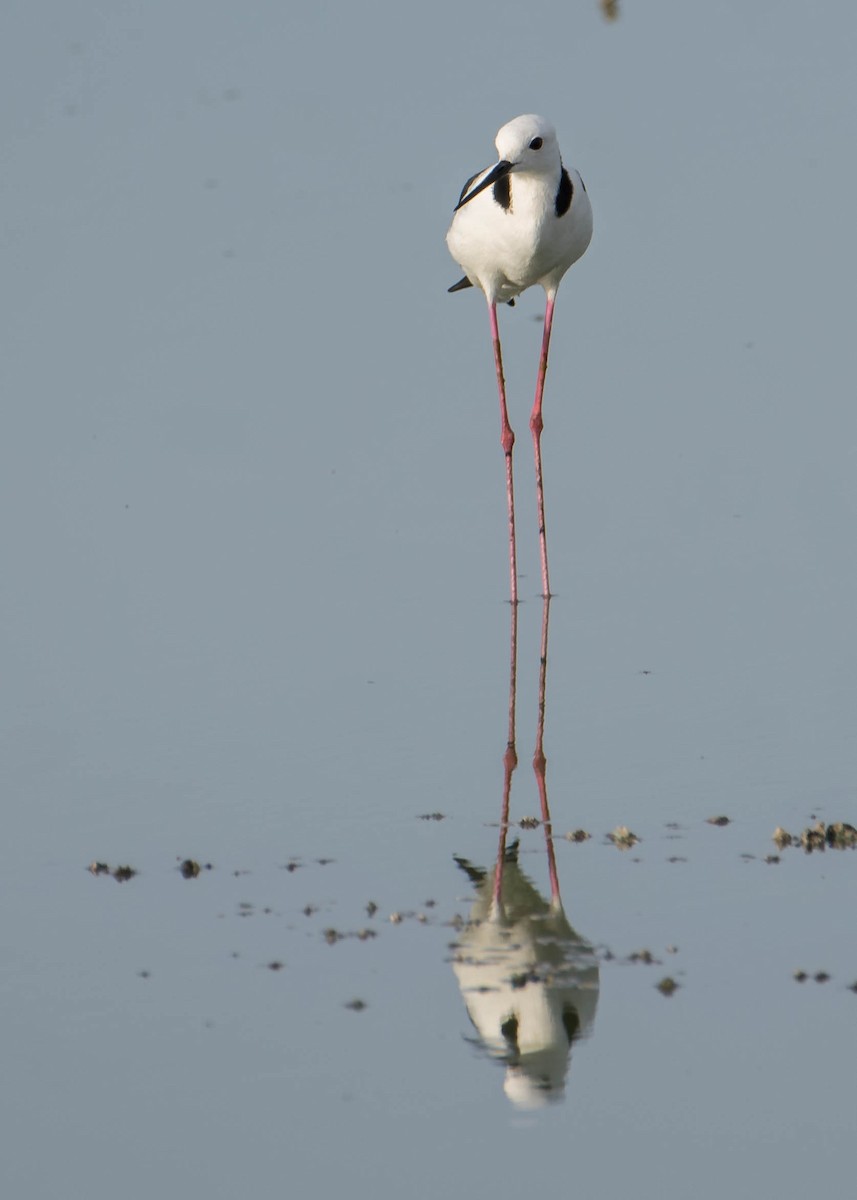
(506, 251)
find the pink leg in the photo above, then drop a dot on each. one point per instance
(507, 439)
(539, 760)
(510, 761)
(536, 425)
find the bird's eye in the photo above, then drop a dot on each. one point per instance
(536, 144)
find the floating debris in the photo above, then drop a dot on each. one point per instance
(578, 835)
(529, 823)
(623, 838)
(371, 908)
(642, 956)
(395, 918)
(852, 987)
(144, 974)
(433, 816)
(309, 909)
(356, 1005)
(802, 976)
(332, 936)
(667, 986)
(718, 820)
(772, 859)
(276, 965)
(841, 835)
(190, 868)
(814, 837)
(120, 874)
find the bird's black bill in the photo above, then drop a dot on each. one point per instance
(499, 172)
(461, 285)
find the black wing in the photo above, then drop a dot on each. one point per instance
(465, 283)
(466, 187)
(564, 194)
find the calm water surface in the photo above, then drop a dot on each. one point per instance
(253, 610)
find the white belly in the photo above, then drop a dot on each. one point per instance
(505, 252)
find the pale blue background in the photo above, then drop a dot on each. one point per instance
(254, 571)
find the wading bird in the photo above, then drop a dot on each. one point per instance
(521, 222)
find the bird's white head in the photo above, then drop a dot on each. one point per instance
(529, 144)
(526, 145)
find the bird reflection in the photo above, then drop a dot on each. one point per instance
(529, 981)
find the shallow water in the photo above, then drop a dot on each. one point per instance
(254, 613)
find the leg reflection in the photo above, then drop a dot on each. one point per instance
(528, 979)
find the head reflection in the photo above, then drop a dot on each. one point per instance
(529, 981)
